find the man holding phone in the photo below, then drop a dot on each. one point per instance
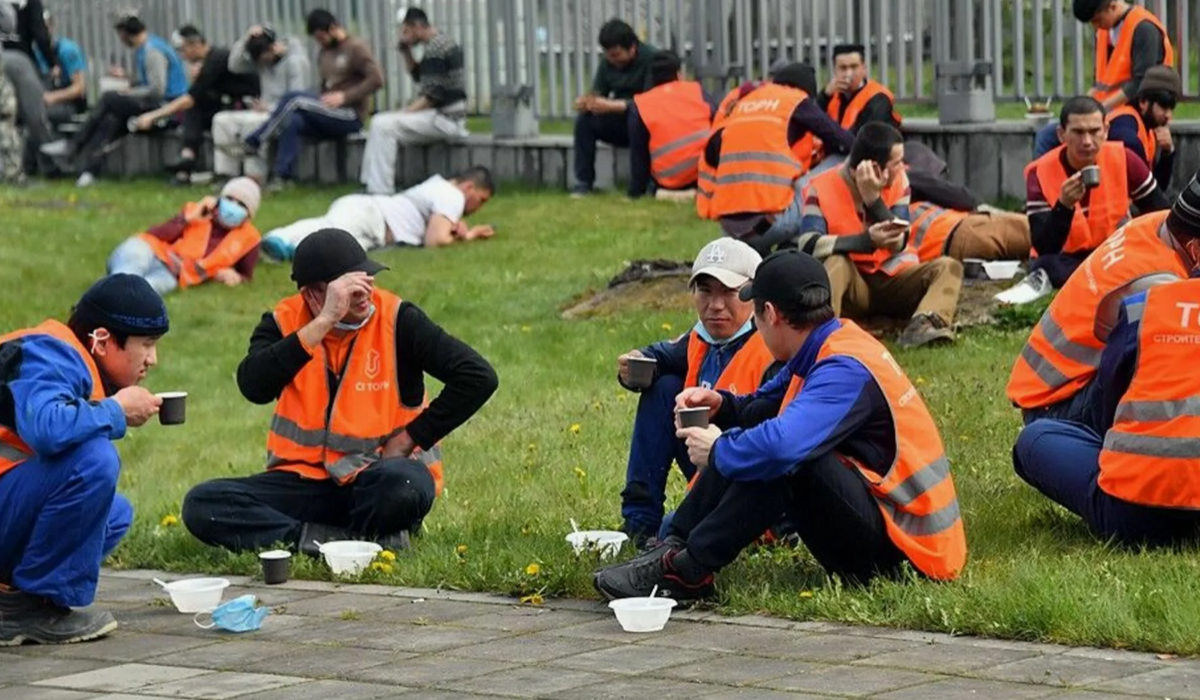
(856, 220)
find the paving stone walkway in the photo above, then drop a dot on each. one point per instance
(357, 642)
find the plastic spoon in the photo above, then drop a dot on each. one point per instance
(574, 525)
(160, 582)
(654, 591)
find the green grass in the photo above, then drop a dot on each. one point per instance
(519, 470)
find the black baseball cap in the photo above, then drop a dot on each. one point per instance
(327, 255)
(783, 275)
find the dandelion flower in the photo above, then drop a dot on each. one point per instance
(169, 520)
(575, 428)
(533, 599)
(461, 549)
(387, 555)
(533, 569)
(806, 594)
(580, 473)
(666, 327)
(526, 329)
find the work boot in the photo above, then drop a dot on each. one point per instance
(34, 619)
(672, 571)
(312, 533)
(395, 542)
(925, 329)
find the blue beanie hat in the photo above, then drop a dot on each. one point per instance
(125, 304)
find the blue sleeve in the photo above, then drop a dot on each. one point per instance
(671, 355)
(1124, 129)
(1116, 366)
(822, 416)
(70, 57)
(639, 153)
(50, 393)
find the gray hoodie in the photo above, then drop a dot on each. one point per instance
(292, 73)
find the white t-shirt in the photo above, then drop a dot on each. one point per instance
(407, 214)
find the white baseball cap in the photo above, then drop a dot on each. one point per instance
(728, 260)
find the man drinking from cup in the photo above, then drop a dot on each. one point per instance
(66, 392)
(1079, 193)
(722, 350)
(353, 451)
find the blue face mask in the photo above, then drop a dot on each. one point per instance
(230, 213)
(238, 615)
(706, 337)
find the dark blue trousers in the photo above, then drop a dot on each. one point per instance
(589, 128)
(1062, 460)
(1046, 140)
(651, 451)
(301, 115)
(59, 517)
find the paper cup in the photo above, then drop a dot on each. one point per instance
(276, 566)
(693, 417)
(174, 407)
(641, 371)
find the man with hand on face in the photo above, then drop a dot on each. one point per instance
(722, 350)
(850, 455)
(66, 392)
(353, 449)
(1142, 124)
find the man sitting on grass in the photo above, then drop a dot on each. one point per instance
(722, 351)
(66, 392)
(430, 214)
(353, 448)
(853, 459)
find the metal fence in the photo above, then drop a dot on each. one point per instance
(1035, 47)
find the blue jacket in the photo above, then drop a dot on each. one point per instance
(177, 80)
(1117, 363)
(44, 391)
(841, 409)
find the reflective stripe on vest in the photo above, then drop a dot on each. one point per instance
(12, 453)
(1063, 351)
(757, 172)
(679, 121)
(916, 494)
(1108, 203)
(1114, 64)
(843, 218)
(931, 229)
(1152, 451)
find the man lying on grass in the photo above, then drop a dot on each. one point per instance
(853, 458)
(353, 449)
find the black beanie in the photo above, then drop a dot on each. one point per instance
(125, 304)
(1184, 219)
(1085, 10)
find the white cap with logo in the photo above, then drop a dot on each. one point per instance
(728, 260)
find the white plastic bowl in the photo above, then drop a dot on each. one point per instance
(1002, 269)
(642, 614)
(197, 595)
(349, 556)
(607, 542)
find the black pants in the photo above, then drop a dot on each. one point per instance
(827, 503)
(198, 120)
(590, 128)
(107, 125)
(264, 509)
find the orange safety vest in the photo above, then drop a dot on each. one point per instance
(677, 118)
(1108, 204)
(1063, 353)
(1149, 142)
(366, 411)
(931, 229)
(185, 257)
(843, 218)
(757, 171)
(858, 103)
(1151, 452)
(1114, 70)
(916, 495)
(745, 371)
(13, 449)
(706, 175)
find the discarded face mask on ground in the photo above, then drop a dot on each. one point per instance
(238, 615)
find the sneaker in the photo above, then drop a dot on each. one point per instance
(580, 191)
(277, 249)
(56, 149)
(26, 618)
(925, 329)
(250, 148)
(85, 180)
(1035, 286)
(639, 576)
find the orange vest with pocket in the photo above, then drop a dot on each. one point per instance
(1152, 450)
(745, 371)
(1108, 203)
(677, 118)
(843, 218)
(1062, 354)
(931, 229)
(316, 442)
(186, 258)
(13, 449)
(1145, 136)
(1115, 69)
(916, 495)
(757, 171)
